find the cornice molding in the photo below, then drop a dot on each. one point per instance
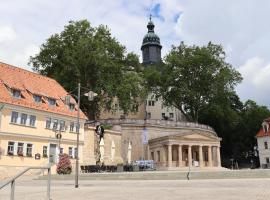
(47, 139)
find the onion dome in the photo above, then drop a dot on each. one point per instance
(151, 39)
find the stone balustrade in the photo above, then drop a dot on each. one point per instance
(159, 122)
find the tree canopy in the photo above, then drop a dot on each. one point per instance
(191, 77)
(91, 56)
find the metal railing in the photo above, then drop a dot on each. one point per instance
(12, 181)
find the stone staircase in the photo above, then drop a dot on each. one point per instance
(169, 175)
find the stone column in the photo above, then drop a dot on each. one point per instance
(180, 156)
(200, 156)
(164, 157)
(169, 155)
(189, 156)
(218, 157)
(148, 152)
(210, 163)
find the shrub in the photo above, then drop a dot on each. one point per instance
(64, 165)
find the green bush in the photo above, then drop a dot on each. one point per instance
(64, 165)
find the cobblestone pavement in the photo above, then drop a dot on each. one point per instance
(225, 189)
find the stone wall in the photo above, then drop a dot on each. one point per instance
(91, 145)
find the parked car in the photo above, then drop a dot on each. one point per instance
(145, 164)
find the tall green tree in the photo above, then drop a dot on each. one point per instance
(252, 117)
(191, 77)
(91, 56)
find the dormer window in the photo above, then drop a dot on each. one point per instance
(71, 106)
(52, 102)
(37, 98)
(16, 93)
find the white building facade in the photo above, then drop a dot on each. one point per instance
(263, 141)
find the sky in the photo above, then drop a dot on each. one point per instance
(241, 27)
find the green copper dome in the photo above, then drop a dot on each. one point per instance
(151, 39)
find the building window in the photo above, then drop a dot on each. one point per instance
(51, 101)
(75, 152)
(71, 128)
(61, 150)
(55, 124)
(171, 115)
(62, 125)
(77, 128)
(29, 148)
(71, 106)
(151, 103)
(32, 120)
(10, 149)
(20, 149)
(44, 151)
(267, 160)
(48, 123)
(16, 93)
(149, 115)
(70, 152)
(14, 117)
(23, 118)
(265, 145)
(37, 98)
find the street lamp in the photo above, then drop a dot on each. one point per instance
(91, 96)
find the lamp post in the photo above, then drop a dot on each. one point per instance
(78, 131)
(91, 96)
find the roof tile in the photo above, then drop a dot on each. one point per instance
(30, 83)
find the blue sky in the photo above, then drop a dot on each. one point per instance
(240, 26)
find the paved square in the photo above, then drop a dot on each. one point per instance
(225, 189)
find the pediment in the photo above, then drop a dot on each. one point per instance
(197, 136)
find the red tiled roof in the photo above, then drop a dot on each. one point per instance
(261, 133)
(30, 83)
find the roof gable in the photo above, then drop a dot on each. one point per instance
(30, 83)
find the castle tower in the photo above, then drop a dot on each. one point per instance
(151, 48)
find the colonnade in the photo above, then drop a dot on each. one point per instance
(188, 155)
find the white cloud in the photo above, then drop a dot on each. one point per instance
(7, 34)
(255, 85)
(24, 55)
(240, 26)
